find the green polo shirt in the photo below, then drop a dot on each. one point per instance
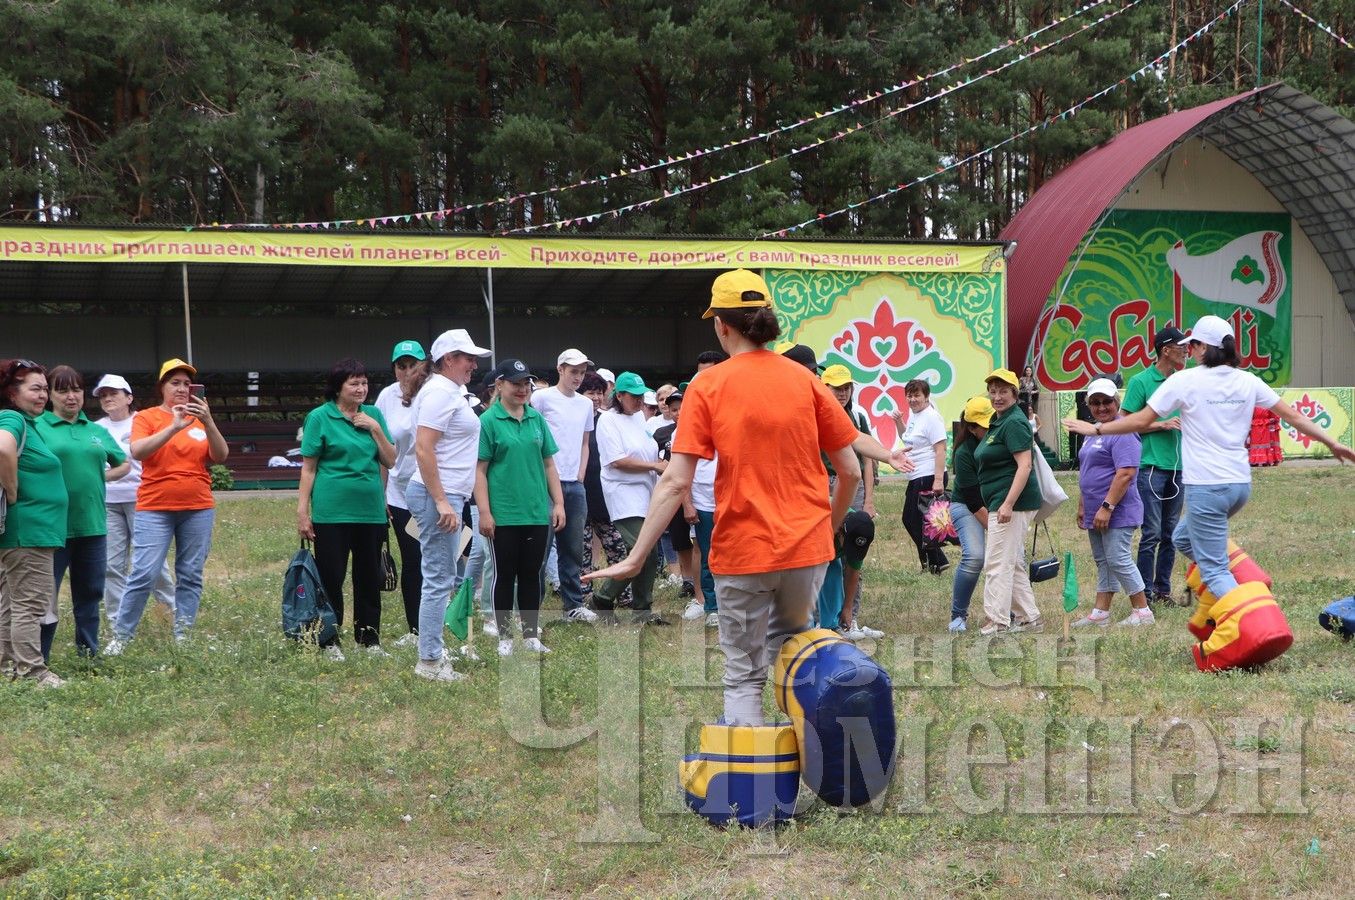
(963, 467)
(1008, 433)
(515, 450)
(1161, 449)
(38, 519)
(347, 486)
(85, 450)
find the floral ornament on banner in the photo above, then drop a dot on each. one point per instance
(1039, 126)
(883, 354)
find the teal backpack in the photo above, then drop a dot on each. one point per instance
(306, 613)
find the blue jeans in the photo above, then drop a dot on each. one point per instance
(967, 573)
(152, 531)
(705, 526)
(829, 610)
(1202, 533)
(1115, 569)
(1157, 553)
(440, 552)
(87, 559)
(568, 544)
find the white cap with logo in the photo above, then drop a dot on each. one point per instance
(1103, 387)
(456, 340)
(115, 382)
(573, 357)
(607, 376)
(1209, 330)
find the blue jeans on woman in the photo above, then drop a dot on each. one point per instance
(705, 527)
(1202, 533)
(87, 559)
(152, 531)
(971, 534)
(1116, 569)
(441, 549)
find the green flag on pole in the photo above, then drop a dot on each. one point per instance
(1069, 583)
(457, 617)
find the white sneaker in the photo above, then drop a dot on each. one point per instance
(468, 653)
(490, 628)
(993, 628)
(114, 648)
(1139, 617)
(506, 647)
(534, 645)
(872, 633)
(957, 624)
(334, 653)
(1091, 618)
(408, 640)
(51, 680)
(852, 634)
(437, 671)
(695, 610)
(581, 614)
(673, 581)
(376, 650)
(713, 620)
(1030, 626)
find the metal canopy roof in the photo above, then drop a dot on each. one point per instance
(1300, 150)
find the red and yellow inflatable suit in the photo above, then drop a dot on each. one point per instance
(1244, 627)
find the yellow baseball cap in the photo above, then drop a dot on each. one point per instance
(978, 411)
(739, 289)
(173, 365)
(1006, 375)
(836, 376)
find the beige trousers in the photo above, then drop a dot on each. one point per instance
(26, 589)
(1006, 574)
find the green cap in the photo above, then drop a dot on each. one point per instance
(630, 383)
(408, 348)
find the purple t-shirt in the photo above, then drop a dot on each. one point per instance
(1097, 460)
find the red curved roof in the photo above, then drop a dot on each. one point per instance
(1049, 227)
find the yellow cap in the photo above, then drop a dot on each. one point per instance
(978, 411)
(174, 365)
(783, 347)
(1006, 375)
(739, 289)
(836, 376)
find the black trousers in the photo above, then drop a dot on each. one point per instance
(912, 523)
(411, 560)
(519, 553)
(334, 544)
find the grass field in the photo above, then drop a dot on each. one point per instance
(240, 766)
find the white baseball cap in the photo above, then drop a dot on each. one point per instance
(650, 399)
(457, 340)
(607, 376)
(573, 357)
(1103, 387)
(116, 382)
(1209, 330)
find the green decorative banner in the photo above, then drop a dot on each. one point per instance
(888, 329)
(1145, 269)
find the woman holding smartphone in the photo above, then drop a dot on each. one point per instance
(176, 442)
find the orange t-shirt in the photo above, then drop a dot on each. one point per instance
(768, 418)
(174, 477)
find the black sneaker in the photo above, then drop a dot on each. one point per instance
(648, 617)
(688, 590)
(940, 567)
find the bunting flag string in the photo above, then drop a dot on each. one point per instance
(616, 212)
(439, 215)
(1340, 40)
(1067, 113)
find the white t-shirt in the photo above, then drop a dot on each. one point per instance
(655, 423)
(922, 433)
(1216, 408)
(441, 405)
(619, 435)
(124, 489)
(569, 418)
(400, 424)
(703, 484)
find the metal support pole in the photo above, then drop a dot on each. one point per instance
(187, 319)
(487, 292)
(1260, 32)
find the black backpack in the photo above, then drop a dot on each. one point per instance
(306, 613)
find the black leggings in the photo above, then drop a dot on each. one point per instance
(519, 553)
(411, 561)
(912, 522)
(334, 543)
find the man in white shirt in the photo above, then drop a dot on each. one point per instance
(570, 417)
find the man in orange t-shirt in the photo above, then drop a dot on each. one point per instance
(773, 524)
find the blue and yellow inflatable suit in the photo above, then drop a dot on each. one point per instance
(749, 773)
(1339, 617)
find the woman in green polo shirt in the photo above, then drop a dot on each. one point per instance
(90, 456)
(517, 491)
(35, 522)
(1011, 495)
(341, 502)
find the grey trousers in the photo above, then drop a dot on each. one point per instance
(757, 613)
(118, 517)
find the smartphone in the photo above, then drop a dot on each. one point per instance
(198, 390)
